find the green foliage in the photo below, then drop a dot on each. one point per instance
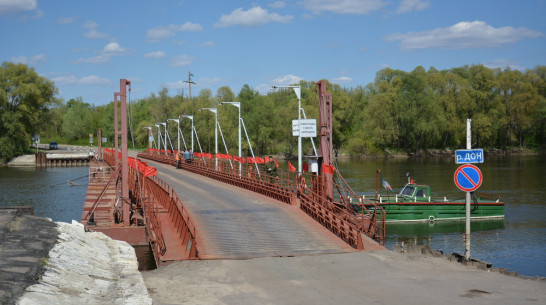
(402, 111)
(24, 100)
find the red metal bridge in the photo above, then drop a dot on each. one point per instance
(212, 209)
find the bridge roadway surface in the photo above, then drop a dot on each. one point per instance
(234, 223)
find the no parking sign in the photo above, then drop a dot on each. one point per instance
(468, 178)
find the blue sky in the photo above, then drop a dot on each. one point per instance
(85, 47)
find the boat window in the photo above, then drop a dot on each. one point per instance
(407, 191)
(420, 193)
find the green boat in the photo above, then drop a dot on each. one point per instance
(415, 203)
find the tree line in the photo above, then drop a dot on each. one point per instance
(405, 111)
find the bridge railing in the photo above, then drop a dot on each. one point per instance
(153, 196)
(337, 214)
(281, 186)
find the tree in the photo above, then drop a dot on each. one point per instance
(24, 100)
(77, 120)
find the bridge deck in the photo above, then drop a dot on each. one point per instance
(233, 223)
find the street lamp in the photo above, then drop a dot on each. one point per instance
(178, 125)
(297, 90)
(149, 136)
(215, 130)
(165, 124)
(158, 136)
(191, 131)
(238, 105)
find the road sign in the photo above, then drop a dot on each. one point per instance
(308, 128)
(468, 178)
(468, 156)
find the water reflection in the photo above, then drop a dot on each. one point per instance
(518, 242)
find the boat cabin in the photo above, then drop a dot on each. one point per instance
(415, 192)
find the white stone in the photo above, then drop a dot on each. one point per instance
(88, 268)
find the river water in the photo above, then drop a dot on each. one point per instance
(518, 242)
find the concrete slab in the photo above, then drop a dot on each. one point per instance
(375, 277)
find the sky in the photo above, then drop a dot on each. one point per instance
(86, 47)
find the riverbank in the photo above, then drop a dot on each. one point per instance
(59, 263)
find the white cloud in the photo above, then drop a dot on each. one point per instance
(158, 33)
(91, 80)
(343, 79)
(503, 64)
(255, 16)
(94, 34)
(463, 35)
(181, 61)
(88, 25)
(407, 6)
(210, 81)
(277, 4)
(286, 80)
(113, 48)
(29, 60)
(357, 7)
(67, 20)
(17, 6)
(209, 44)
(176, 85)
(99, 59)
(155, 55)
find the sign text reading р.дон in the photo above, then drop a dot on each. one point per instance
(468, 156)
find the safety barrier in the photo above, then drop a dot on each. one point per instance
(152, 197)
(281, 188)
(337, 216)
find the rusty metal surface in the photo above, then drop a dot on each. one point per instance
(236, 224)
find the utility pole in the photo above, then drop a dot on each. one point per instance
(189, 81)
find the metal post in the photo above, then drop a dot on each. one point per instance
(158, 144)
(178, 126)
(116, 129)
(99, 148)
(300, 158)
(123, 83)
(165, 137)
(191, 131)
(149, 136)
(238, 105)
(215, 132)
(467, 206)
(240, 164)
(297, 90)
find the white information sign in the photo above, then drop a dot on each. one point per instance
(308, 128)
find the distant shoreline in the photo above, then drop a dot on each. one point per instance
(30, 159)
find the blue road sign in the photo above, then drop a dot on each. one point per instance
(468, 156)
(468, 178)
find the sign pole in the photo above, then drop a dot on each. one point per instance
(467, 206)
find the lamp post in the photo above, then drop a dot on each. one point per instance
(165, 124)
(149, 136)
(178, 124)
(297, 90)
(158, 136)
(238, 105)
(215, 130)
(191, 131)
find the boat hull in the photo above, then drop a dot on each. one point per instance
(437, 211)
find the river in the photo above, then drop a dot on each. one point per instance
(518, 242)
